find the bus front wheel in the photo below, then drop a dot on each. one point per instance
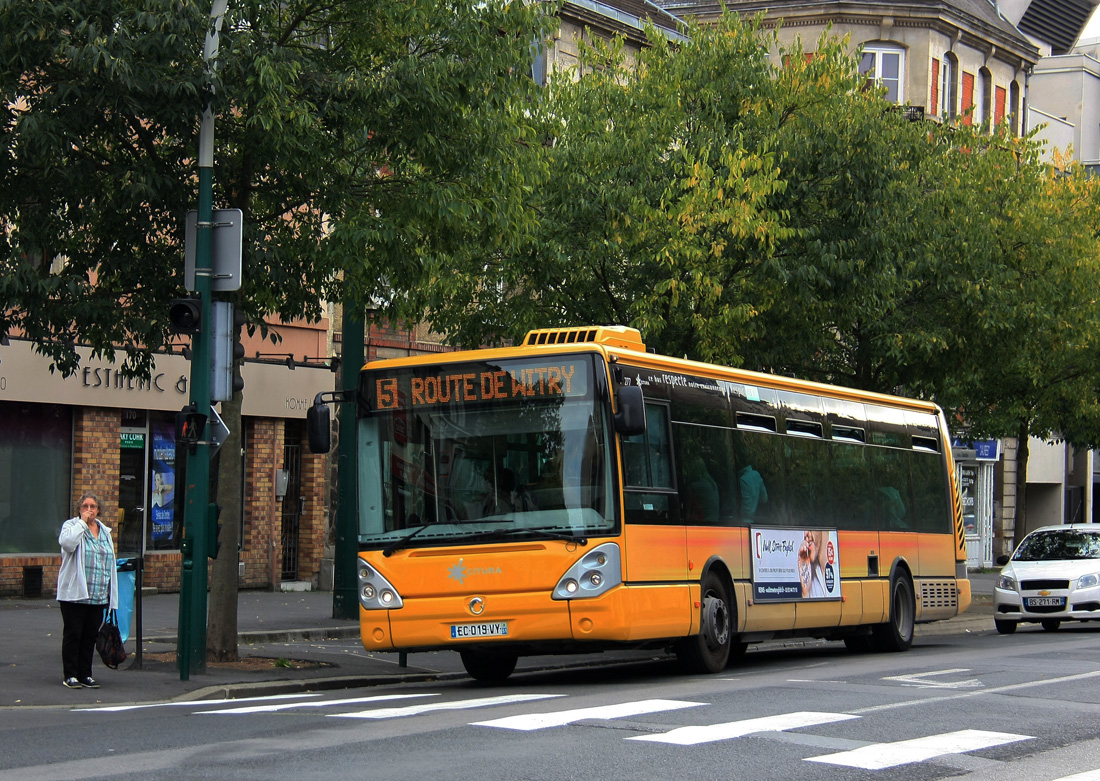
(488, 668)
(709, 651)
(897, 633)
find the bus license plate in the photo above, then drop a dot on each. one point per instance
(488, 629)
(1045, 601)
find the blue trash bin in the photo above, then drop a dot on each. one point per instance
(126, 571)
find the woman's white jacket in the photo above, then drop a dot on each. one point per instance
(72, 581)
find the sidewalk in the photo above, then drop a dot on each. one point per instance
(291, 626)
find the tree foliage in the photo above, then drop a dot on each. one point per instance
(360, 138)
(356, 136)
(768, 208)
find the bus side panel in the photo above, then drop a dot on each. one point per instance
(899, 545)
(655, 554)
(730, 545)
(874, 600)
(851, 607)
(818, 613)
(937, 556)
(769, 617)
(634, 613)
(856, 549)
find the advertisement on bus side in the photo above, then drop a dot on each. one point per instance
(795, 564)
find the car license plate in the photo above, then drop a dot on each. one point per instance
(487, 629)
(1044, 601)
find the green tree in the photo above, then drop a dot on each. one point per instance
(776, 213)
(359, 137)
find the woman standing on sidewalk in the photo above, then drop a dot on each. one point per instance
(87, 584)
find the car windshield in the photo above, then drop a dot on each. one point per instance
(1059, 545)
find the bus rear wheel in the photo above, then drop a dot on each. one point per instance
(709, 651)
(488, 668)
(897, 633)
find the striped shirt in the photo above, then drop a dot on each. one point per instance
(99, 560)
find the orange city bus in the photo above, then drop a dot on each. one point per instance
(577, 492)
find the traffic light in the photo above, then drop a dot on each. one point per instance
(185, 315)
(190, 425)
(213, 530)
(225, 378)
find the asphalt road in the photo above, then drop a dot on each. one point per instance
(976, 705)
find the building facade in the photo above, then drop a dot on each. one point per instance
(945, 59)
(100, 432)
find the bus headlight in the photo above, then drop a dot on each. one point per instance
(375, 592)
(595, 573)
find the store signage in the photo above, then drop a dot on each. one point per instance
(272, 390)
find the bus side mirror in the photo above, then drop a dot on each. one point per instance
(319, 427)
(630, 417)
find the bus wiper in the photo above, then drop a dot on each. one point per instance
(551, 532)
(395, 546)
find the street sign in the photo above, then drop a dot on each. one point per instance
(228, 238)
(219, 432)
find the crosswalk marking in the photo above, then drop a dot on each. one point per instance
(416, 710)
(323, 704)
(692, 736)
(921, 680)
(193, 703)
(533, 721)
(882, 755)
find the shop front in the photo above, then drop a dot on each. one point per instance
(100, 432)
(974, 468)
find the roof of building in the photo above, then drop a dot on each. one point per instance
(981, 16)
(627, 17)
(1058, 23)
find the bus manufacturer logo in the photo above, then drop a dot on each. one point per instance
(459, 571)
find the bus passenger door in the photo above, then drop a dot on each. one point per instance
(654, 544)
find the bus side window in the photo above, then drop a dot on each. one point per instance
(708, 493)
(890, 470)
(853, 503)
(931, 511)
(760, 477)
(647, 464)
(809, 482)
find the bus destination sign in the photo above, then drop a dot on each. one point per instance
(460, 384)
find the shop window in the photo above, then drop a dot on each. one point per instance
(36, 446)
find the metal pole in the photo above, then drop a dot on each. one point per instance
(345, 592)
(191, 638)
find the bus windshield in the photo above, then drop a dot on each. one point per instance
(459, 453)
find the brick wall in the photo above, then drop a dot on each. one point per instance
(96, 470)
(260, 550)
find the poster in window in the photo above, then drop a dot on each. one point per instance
(164, 481)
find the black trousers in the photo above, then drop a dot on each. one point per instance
(82, 624)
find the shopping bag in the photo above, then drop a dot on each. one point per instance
(109, 641)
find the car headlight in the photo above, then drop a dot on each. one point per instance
(1007, 583)
(1088, 581)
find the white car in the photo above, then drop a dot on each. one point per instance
(1053, 576)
